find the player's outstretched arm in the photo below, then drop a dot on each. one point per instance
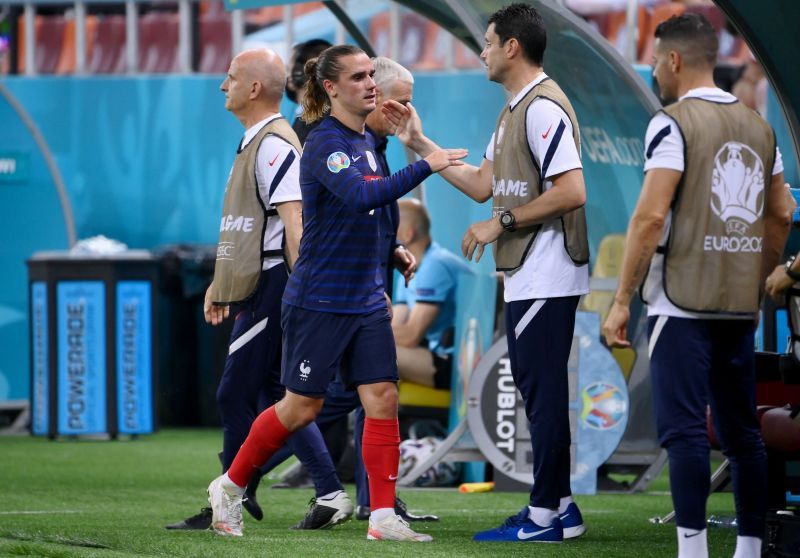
(475, 182)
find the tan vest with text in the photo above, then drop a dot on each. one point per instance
(517, 179)
(244, 219)
(713, 254)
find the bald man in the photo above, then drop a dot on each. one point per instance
(259, 237)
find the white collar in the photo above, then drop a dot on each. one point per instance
(709, 94)
(539, 79)
(251, 132)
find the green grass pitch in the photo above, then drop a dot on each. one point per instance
(70, 498)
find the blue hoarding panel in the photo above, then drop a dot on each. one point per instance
(40, 410)
(134, 357)
(81, 368)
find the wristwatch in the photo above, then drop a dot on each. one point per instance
(508, 221)
(793, 275)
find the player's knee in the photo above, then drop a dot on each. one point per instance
(297, 411)
(379, 400)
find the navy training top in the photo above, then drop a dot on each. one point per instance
(343, 190)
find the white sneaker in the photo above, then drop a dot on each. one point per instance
(226, 508)
(394, 528)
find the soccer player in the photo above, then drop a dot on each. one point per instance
(392, 82)
(262, 208)
(711, 222)
(532, 170)
(334, 307)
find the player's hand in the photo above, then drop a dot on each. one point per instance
(778, 283)
(214, 313)
(478, 235)
(408, 126)
(405, 263)
(443, 158)
(615, 328)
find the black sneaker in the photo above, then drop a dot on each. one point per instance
(198, 522)
(362, 513)
(401, 509)
(324, 514)
(250, 503)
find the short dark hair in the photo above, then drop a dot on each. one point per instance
(303, 52)
(692, 36)
(523, 23)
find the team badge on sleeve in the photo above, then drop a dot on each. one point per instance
(338, 161)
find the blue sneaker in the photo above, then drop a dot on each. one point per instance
(519, 528)
(572, 522)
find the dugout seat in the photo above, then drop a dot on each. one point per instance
(616, 29)
(158, 43)
(660, 14)
(434, 48)
(216, 50)
(378, 33)
(258, 18)
(108, 46)
(48, 39)
(603, 283)
(67, 60)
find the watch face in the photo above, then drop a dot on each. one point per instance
(505, 218)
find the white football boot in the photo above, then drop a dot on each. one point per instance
(226, 507)
(394, 528)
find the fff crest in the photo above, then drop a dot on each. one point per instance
(737, 186)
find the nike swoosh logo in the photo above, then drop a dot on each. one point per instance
(547, 133)
(392, 477)
(566, 515)
(523, 535)
(273, 161)
(688, 536)
(356, 158)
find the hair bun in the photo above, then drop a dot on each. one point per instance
(310, 69)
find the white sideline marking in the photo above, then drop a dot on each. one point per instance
(38, 512)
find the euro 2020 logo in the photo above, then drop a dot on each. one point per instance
(338, 161)
(737, 187)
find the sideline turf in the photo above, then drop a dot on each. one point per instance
(102, 498)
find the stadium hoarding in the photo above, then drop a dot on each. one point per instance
(92, 340)
(598, 409)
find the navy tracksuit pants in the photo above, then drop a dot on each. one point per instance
(700, 363)
(539, 334)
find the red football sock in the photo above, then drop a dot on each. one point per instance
(380, 447)
(267, 435)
